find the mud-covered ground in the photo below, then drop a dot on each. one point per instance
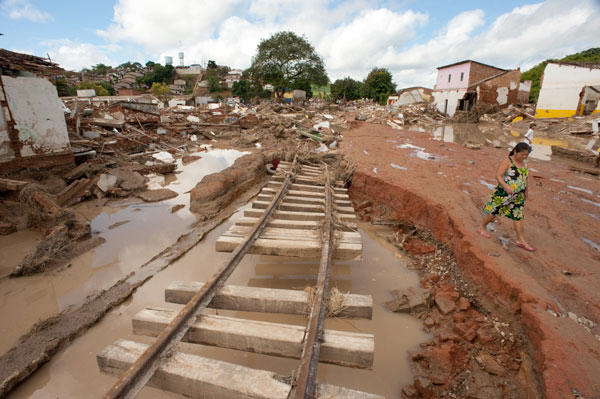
(553, 293)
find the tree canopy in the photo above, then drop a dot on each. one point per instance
(287, 60)
(159, 74)
(161, 91)
(378, 85)
(346, 89)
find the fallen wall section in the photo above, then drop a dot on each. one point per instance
(32, 128)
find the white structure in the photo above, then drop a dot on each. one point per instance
(181, 59)
(235, 75)
(168, 60)
(38, 117)
(410, 95)
(567, 90)
(191, 70)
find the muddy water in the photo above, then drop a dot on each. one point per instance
(487, 134)
(73, 373)
(148, 229)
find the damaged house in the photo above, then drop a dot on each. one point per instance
(410, 95)
(461, 85)
(569, 89)
(33, 131)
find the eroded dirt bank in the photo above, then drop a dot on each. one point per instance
(553, 293)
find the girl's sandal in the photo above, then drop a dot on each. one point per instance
(524, 246)
(483, 233)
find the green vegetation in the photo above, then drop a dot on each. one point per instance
(242, 89)
(534, 74)
(287, 61)
(100, 88)
(64, 89)
(159, 74)
(321, 91)
(346, 89)
(161, 91)
(378, 85)
(101, 69)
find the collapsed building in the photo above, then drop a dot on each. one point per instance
(461, 85)
(410, 95)
(569, 89)
(33, 131)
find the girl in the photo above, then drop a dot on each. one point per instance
(509, 197)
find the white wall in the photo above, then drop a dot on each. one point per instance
(561, 85)
(410, 97)
(38, 115)
(440, 97)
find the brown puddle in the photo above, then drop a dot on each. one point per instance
(73, 373)
(151, 228)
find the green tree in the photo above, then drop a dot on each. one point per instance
(211, 65)
(101, 69)
(378, 85)
(86, 85)
(161, 91)
(346, 89)
(159, 74)
(109, 88)
(242, 89)
(286, 60)
(64, 89)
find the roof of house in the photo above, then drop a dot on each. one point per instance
(476, 62)
(10, 60)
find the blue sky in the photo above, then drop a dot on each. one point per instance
(408, 37)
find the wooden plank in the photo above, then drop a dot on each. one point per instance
(285, 340)
(286, 206)
(307, 187)
(196, 376)
(286, 224)
(299, 234)
(287, 247)
(303, 200)
(290, 215)
(12, 185)
(308, 194)
(269, 300)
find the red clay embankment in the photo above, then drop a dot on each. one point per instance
(444, 195)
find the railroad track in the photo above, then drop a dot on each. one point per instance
(298, 213)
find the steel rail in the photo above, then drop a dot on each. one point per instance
(140, 372)
(304, 385)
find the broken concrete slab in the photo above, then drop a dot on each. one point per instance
(129, 180)
(106, 182)
(412, 299)
(157, 195)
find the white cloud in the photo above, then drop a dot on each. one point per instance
(352, 36)
(75, 56)
(17, 9)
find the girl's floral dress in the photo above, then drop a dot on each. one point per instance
(503, 204)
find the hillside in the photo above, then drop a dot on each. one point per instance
(534, 74)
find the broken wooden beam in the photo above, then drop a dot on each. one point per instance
(285, 340)
(268, 300)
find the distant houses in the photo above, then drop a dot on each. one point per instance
(461, 85)
(569, 89)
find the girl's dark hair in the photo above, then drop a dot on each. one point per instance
(519, 148)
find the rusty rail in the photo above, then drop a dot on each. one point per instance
(140, 372)
(305, 382)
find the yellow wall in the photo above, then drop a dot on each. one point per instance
(554, 113)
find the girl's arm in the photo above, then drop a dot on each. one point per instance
(500, 176)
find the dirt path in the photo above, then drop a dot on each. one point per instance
(553, 292)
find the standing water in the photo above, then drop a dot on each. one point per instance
(73, 373)
(148, 228)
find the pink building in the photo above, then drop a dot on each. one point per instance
(462, 84)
